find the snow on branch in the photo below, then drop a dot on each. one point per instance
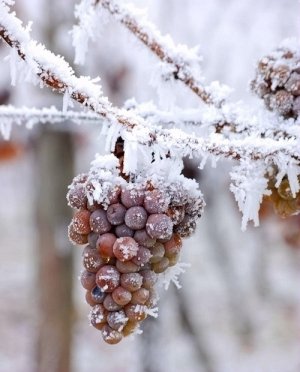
(181, 63)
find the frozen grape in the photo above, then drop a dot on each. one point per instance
(99, 222)
(117, 320)
(77, 197)
(149, 278)
(116, 214)
(98, 295)
(174, 259)
(136, 218)
(125, 248)
(158, 252)
(129, 328)
(176, 214)
(143, 256)
(159, 226)
(110, 304)
(136, 313)
(108, 278)
(127, 267)
(140, 297)
(132, 197)
(156, 201)
(88, 298)
(114, 194)
(153, 298)
(161, 266)
(98, 316)
(111, 336)
(88, 280)
(121, 296)
(173, 246)
(76, 238)
(81, 222)
(142, 238)
(123, 230)
(131, 281)
(92, 261)
(105, 244)
(92, 239)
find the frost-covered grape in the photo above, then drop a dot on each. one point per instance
(77, 197)
(140, 297)
(114, 194)
(111, 336)
(127, 267)
(153, 298)
(108, 278)
(98, 295)
(92, 261)
(125, 249)
(81, 222)
(123, 230)
(136, 218)
(186, 227)
(161, 266)
(92, 239)
(88, 280)
(143, 256)
(174, 259)
(159, 226)
(158, 252)
(136, 313)
(110, 304)
(99, 222)
(131, 281)
(76, 238)
(173, 246)
(132, 197)
(176, 214)
(142, 238)
(129, 328)
(121, 296)
(98, 316)
(149, 278)
(116, 213)
(117, 320)
(156, 201)
(105, 244)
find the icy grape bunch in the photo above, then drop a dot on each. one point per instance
(277, 80)
(132, 233)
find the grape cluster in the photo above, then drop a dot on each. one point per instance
(132, 232)
(277, 81)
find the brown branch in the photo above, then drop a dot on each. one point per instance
(61, 78)
(154, 43)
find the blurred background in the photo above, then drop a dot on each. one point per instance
(239, 306)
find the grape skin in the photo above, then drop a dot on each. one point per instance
(123, 230)
(117, 320)
(88, 280)
(92, 261)
(76, 238)
(156, 201)
(142, 238)
(98, 295)
(132, 197)
(131, 281)
(111, 336)
(81, 222)
(108, 278)
(105, 244)
(159, 226)
(116, 214)
(136, 218)
(121, 296)
(99, 222)
(110, 304)
(140, 297)
(127, 267)
(125, 248)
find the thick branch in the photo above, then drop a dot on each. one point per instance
(162, 46)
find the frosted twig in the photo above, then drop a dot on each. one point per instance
(179, 57)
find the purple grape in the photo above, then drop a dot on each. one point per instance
(81, 222)
(132, 197)
(99, 222)
(156, 201)
(92, 260)
(136, 218)
(98, 316)
(125, 249)
(116, 214)
(117, 320)
(132, 281)
(159, 226)
(110, 336)
(105, 244)
(143, 256)
(142, 238)
(98, 295)
(123, 230)
(127, 267)
(76, 238)
(92, 239)
(121, 296)
(108, 278)
(158, 252)
(149, 278)
(77, 197)
(88, 280)
(110, 304)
